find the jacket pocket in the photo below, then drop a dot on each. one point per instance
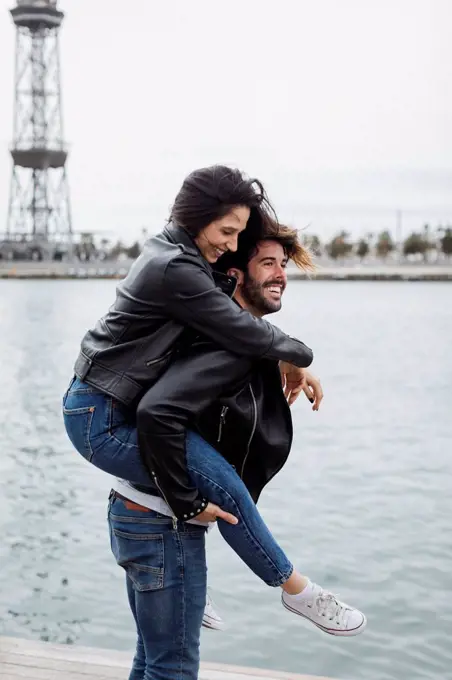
(158, 360)
(141, 556)
(78, 423)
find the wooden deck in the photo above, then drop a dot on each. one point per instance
(31, 660)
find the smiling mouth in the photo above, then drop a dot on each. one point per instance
(275, 290)
(219, 252)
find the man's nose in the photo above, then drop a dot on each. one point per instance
(281, 273)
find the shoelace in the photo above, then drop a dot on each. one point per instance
(328, 605)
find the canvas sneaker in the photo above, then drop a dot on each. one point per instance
(325, 611)
(211, 619)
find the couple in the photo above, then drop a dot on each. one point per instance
(196, 425)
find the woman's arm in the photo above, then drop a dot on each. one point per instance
(193, 298)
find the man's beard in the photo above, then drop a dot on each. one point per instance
(253, 292)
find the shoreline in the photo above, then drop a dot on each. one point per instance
(328, 272)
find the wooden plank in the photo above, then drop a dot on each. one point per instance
(21, 673)
(12, 662)
(34, 660)
(91, 655)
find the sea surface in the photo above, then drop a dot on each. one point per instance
(363, 506)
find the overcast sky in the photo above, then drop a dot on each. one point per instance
(286, 90)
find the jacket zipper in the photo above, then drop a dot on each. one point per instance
(253, 430)
(290, 444)
(174, 518)
(223, 414)
(156, 361)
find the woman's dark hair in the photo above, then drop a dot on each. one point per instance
(210, 193)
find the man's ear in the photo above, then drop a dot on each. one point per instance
(238, 275)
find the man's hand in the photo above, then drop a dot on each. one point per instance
(293, 380)
(313, 390)
(214, 512)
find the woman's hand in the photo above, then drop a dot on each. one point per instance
(214, 512)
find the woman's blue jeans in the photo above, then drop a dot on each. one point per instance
(98, 429)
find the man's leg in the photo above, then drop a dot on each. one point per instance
(166, 572)
(139, 660)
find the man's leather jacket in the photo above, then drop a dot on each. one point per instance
(171, 287)
(237, 405)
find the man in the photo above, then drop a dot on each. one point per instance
(176, 402)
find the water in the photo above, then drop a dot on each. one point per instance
(363, 505)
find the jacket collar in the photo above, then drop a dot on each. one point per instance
(176, 234)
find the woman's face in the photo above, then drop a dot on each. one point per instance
(222, 234)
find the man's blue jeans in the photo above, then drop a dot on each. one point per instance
(166, 587)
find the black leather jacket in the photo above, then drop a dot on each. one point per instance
(235, 404)
(171, 287)
(253, 429)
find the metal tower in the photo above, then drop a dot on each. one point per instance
(39, 215)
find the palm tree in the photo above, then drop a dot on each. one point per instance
(446, 241)
(416, 244)
(339, 247)
(384, 245)
(362, 249)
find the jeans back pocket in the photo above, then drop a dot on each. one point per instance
(141, 556)
(78, 423)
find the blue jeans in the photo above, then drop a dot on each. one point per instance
(100, 431)
(166, 586)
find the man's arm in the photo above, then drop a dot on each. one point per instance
(193, 298)
(192, 382)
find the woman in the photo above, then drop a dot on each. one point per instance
(170, 293)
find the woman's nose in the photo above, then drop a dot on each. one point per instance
(232, 244)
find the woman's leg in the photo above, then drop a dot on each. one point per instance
(102, 433)
(250, 538)
(252, 541)
(98, 429)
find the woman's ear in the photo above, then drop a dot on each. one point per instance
(238, 275)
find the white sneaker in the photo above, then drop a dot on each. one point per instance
(325, 611)
(211, 619)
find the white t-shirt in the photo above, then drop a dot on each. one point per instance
(148, 500)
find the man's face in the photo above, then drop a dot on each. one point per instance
(266, 279)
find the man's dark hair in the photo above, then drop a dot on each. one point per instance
(249, 240)
(210, 193)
